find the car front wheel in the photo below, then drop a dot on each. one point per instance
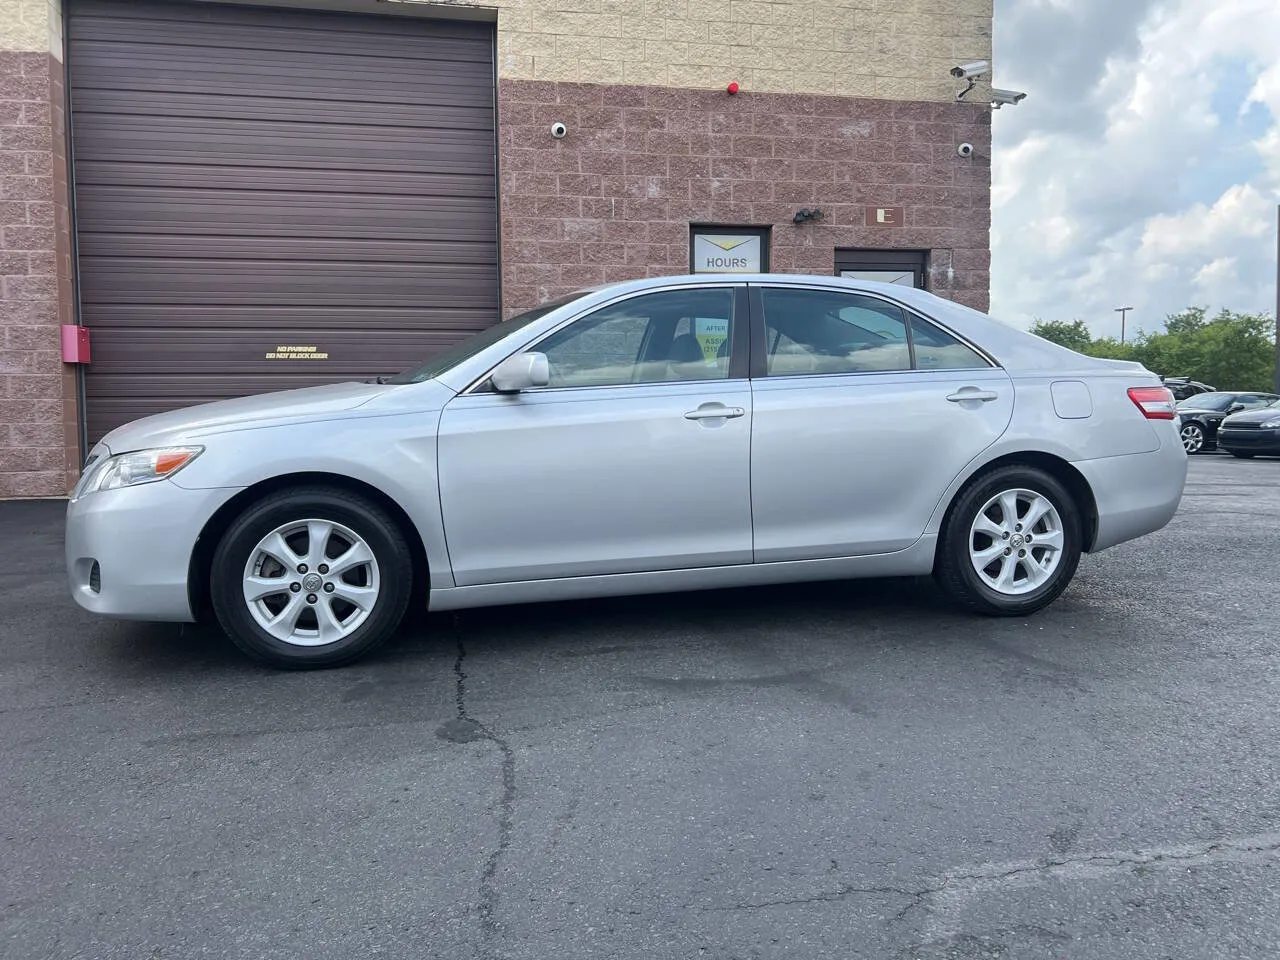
(1193, 437)
(1011, 543)
(313, 577)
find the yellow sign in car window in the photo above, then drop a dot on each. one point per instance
(711, 335)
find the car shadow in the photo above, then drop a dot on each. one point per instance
(563, 628)
(793, 608)
(143, 649)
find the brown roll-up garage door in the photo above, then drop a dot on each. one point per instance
(249, 179)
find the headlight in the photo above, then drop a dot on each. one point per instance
(1273, 424)
(131, 469)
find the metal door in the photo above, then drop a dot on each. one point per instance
(270, 198)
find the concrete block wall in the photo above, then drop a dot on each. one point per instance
(886, 49)
(39, 447)
(614, 199)
(844, 103)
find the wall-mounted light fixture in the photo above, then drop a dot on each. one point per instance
(806, 215)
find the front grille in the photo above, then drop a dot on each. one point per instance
(1241, 426)
(95, 577)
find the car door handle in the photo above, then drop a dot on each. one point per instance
(973, 393)
(716, 411)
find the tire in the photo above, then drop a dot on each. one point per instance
(354, 606)
(1243, 455)
(1042, 579)
(1193, 438)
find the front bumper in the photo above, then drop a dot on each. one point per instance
(140, 539)
(1250, 441)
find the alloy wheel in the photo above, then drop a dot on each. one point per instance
(1192, 438)
(1016, 542)
(311, 582)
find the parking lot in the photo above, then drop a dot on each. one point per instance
(845, 770)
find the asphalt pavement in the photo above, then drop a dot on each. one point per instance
(836, 771)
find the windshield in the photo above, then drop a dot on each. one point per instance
(1208, 401)
(472, 345)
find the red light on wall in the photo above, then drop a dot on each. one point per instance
(75, 343)
(734, 88)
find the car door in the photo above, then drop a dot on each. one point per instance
(863, 415)
(634, 457)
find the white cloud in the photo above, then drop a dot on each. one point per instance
(1146, 173)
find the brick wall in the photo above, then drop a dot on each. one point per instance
(615, 198)
(845, 103)
(39, 452)
(887, 49)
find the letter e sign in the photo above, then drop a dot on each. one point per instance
(884, 216)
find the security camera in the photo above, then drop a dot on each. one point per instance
(559, 130)
(1000, 98)
(971, 71)
(965, 149)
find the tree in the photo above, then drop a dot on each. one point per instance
(1074, 335)
(1232, 351)
(1188, 321)
(1236, 351)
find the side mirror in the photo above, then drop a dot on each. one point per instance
(1236, 408)
(521, 372)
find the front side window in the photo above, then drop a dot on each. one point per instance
(819, 331)
(667, 337)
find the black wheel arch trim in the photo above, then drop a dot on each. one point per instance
(200, 566)
(1061, 470)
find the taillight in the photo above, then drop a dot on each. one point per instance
(1156, 403)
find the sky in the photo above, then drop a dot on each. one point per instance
(1143, 169)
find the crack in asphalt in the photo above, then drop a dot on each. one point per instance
(1248, 848)
(1243, 848)
(845, 890)
(506, 802)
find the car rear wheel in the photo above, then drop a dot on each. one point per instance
(312, 577)
(1011, 543)
(1192, 437)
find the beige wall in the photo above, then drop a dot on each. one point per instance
(891, 49)
(31, 26)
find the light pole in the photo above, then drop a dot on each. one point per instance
(1124, 313)
(1276, 380)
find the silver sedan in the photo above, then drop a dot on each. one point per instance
(660, 435)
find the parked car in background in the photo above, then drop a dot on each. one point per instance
(667, 434)
(1183, 387)
(1252, 432)
(1200, 416)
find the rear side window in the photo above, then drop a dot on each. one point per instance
(818, 331)
(810, 332)
(938, 350)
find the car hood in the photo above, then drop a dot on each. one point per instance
(1254, 416)
(188, 423)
